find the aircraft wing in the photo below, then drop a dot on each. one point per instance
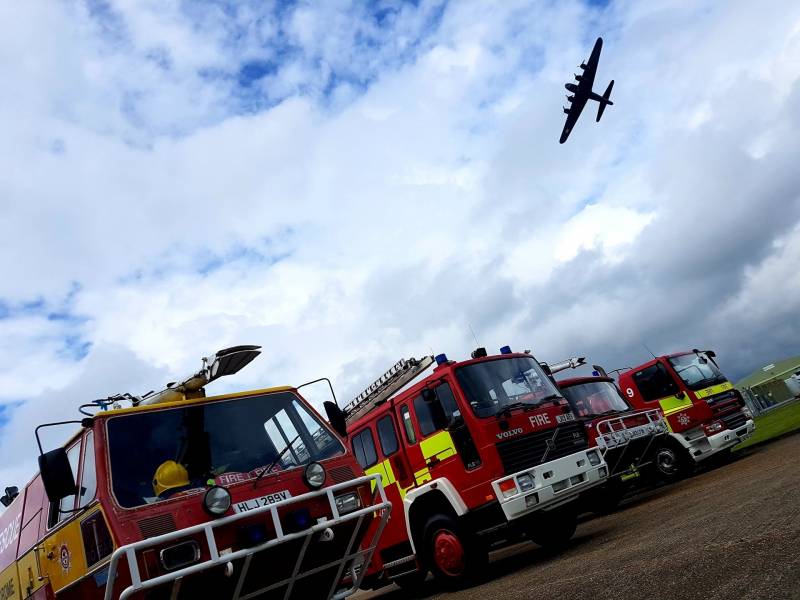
(591, 66)
(572, 117)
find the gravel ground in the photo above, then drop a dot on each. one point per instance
(729, 532)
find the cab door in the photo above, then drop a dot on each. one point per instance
(77, 541)
(658, 387)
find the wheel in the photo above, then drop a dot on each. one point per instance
(671, 462)
(454, 557)
(555, 528)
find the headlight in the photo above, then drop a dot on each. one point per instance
(347, 503)
(314, 475)
(525, 482)
(747, 412)
(594, 458)
(217, 500)
(713, 427)
(180, 555)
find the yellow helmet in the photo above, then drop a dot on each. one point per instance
(169, 475)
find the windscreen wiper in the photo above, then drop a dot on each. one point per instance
(555, 398)
(275, 462)
(506, 410)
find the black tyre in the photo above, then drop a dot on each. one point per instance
(554, 529)
(453, 556)
(671, 461)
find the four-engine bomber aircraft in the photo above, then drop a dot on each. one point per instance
(582, 92)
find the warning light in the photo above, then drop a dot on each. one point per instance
(505, 350)
(441, 359)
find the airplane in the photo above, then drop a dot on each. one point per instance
(582, 92)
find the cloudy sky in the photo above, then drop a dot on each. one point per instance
(348, 183)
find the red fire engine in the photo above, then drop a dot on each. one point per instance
(243, 495)
(627, 438)
(478, 453)
(704, 413)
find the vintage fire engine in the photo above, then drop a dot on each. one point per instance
(627, 438)
(478, 453)
(704, 413)
(244, 495)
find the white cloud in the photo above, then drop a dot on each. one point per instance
(380, 185)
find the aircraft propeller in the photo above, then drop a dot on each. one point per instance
(577, 77)
(566, 110)
(570, 98)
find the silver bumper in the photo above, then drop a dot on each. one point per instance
(553, 483)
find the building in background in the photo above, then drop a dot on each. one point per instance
(771, 384)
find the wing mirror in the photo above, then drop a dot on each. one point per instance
(57, 476)
(336, 417)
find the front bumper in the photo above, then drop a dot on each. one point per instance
(241, 581)
(555, 482)
(731, 437)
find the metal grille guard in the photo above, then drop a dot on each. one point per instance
(352, 555)
(615, 433)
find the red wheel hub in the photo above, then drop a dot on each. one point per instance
(448, 553)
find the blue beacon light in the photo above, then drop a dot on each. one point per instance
(505, 350)
(441, 359)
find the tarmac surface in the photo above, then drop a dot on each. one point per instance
(730, 531)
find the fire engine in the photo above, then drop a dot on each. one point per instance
(476, 454)
(627, 438)
(705, 415)
(179, 495)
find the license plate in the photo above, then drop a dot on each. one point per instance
(259, 501)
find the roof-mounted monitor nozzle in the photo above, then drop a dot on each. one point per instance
(225, 362)
(570, 363)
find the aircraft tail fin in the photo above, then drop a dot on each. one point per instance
(605, 101)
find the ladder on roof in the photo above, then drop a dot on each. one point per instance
(387, 384)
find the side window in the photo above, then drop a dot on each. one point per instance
(68, 503)
(387, 435)
(364, 448)
(423, 410)
(88, 485)
(424, 417)
(408, 426)
(654, 382)
(445, 395)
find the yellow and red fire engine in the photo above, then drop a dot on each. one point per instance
(244, 495)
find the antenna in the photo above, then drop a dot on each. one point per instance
(474, 337)
(648, 349)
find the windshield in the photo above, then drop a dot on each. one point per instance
(156, 455)
(493, 385)
(594, 398)
(696, 371)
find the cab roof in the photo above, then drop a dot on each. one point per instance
(653, 361)
(192, 402)
(438, 371)
(564, 383)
